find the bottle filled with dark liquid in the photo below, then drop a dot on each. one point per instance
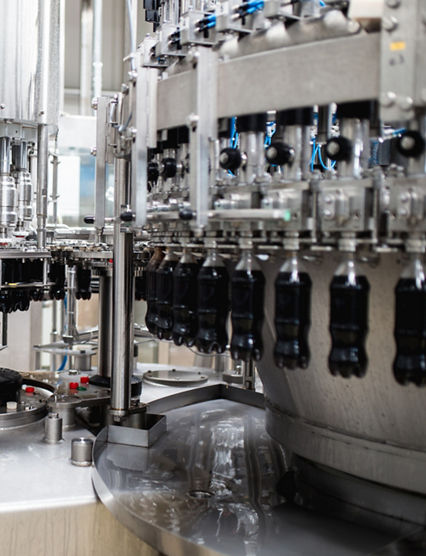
(410, 325)
(185, 300)
(213, 305)
(348, 321)
(83, 278)
(247, 302)
(292, 316)
(151, 316)
(164, 277)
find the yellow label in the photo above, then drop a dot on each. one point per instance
(397, 45)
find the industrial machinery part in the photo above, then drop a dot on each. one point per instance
(81, 452)
(53, 428)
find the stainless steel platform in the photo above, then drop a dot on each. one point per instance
(208, 486)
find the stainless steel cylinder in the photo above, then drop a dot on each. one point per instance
(53, 428)
(8, 196)
(81, 452)
(42, 183)
(123, 286)
(70, 327)
(23, 183)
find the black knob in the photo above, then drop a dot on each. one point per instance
(230, 159)
(279, 153)
(153, 171)
(168, 168)
(89, 219)
(338, 148)
(411, 144)
(126, 216)
(186, 214)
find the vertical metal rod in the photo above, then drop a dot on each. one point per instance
(123, 280)
(70, 328)
(248, 375)
(105, 326)
(42, 181)
(97, 49)
(54, 335)
(86, 29)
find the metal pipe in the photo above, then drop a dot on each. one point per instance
(248, 375)
(4, 155)
(86, 28)
(70, 328)
(97, 49)
(105, 340)
(42, 181)
(123, 285)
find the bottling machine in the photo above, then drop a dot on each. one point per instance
(269, 204)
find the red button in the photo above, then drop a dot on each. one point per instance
(29, 389)
(84, 380)
(73, 385)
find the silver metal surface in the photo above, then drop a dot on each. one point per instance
(53, 428)
(287, 69)
(29, 50)
(175, 378)
(42, 183)
(140, 429)
(81, 451)
(208, 487)
(100, 176)
(123, 287)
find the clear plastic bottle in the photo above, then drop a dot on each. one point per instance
(247, 309)
(151, 316)
(348, 321)
(185, 300)
(410, 325)
(164, 277)
(213, 305)
(292, 316)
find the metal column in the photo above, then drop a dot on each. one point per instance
(123, 286)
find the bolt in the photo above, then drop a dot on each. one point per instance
(405, 103)
(94, 103)
(93, 151)
(2, 106)
(407, 142)
(389, 23)
(193, 120)
(124, 88)
(387, 99)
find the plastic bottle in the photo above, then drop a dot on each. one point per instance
(164, 277)
(247, 302)
(348, 321)
(185, 300)
(151, 316)
(410, 325)
(213, 305)
(292, 316)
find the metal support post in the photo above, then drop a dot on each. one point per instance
(123, 286)
(203, 130)
(42, 181)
